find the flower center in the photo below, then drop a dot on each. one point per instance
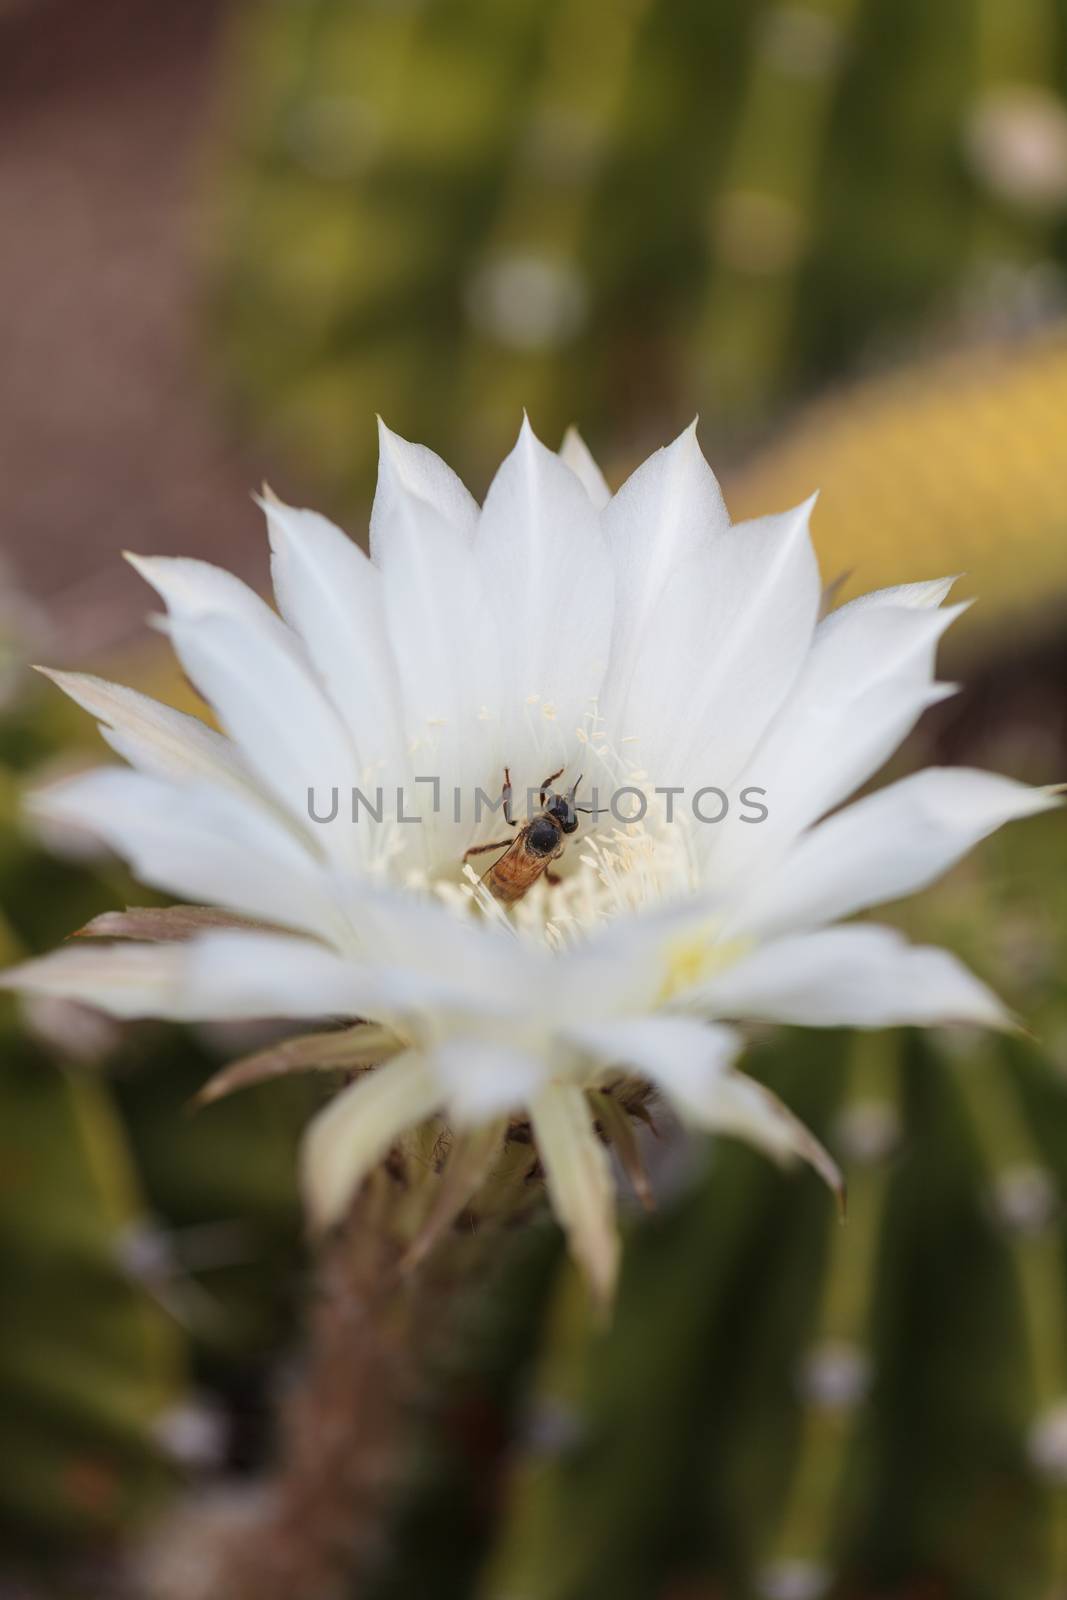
(614, 870)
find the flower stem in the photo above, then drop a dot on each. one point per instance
(375, 1323)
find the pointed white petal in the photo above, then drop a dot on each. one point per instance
(617, 972)
(444, 640)
(747, 1110)
(191, 588)
(722, 650)
(160, 924)
(245, 975)
(880, 642)
(574, 453)
(679, 1054)
(767, 589)
(889, 844)
(427, 977)
(866, 681)
(548, 584)
(252, 670)
(357, 1128)
(862, 976)
(126, 980)
(663, 519)
(916, 596)
(354, 1049)
(233, 976)
(332, 596)
(414, 470)
(481, 1080)
(151, 736)
(800, 781)
(475, 965)
(691, 1062)
(210, 846)
(857, 655)
(579, 1182)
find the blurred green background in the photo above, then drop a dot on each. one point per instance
(838, 230)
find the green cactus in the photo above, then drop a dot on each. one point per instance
(90, 1366)
(140, 1243)
(608, 212)
(788, 1406)
(618, 214)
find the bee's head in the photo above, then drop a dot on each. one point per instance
(562, 810)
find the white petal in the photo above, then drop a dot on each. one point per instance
(767, 593)
(414, 470)
(666, 512)
(482, 1080)
(363, 1045)
(209, 846)
(889, 844)
(419, 969)
(615, 972)
(251, 669)
(445, 643)
(574, 453)
(691, 1062)
(802, 781)
(858, 656)
(579, 1182)
(548, 583)
(357, 1128)
(747, 1110)
(126, 979)
(332, 596)
(866, 681)
(679, 1054)
(862, 976)
(917, 596)
(191, 588)
(154, 737)
(479, 967)
(268, 975)
(223, 977)
(722, 650)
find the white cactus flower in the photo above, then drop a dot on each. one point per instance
(633, 641)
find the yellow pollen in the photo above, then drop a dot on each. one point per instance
(694, 957)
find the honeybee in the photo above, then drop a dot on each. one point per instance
(537, 844)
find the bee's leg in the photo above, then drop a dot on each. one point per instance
(480, 849)
(550, 779)
(552, 877)
(506, 792)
